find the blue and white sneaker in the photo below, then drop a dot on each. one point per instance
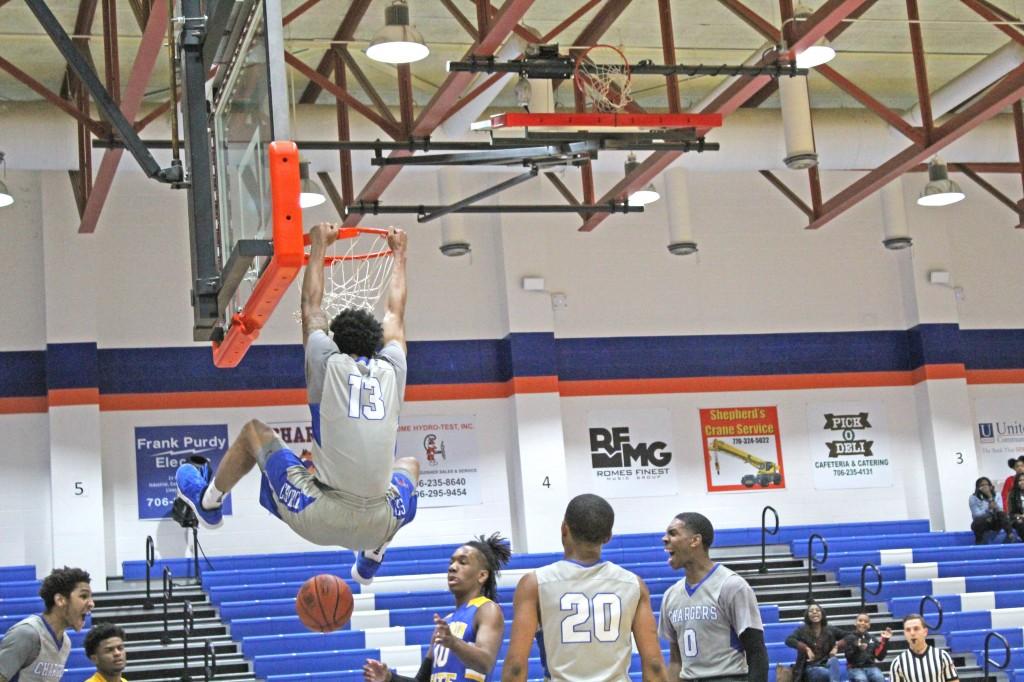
(192, 479)
(365, 568)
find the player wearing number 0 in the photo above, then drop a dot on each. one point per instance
(358, 495)
(710, 616)
(582, 610)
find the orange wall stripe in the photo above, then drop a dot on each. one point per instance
(31, 405)
(995, 376)
(66, 397)
(200, 399)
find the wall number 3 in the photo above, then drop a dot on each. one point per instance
(600, 614)
(959, 458)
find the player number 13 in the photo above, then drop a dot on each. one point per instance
(374, 407)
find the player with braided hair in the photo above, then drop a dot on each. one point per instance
(473, 631)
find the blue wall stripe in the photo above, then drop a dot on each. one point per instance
(22, 374)
(71, 365)
(160, 370)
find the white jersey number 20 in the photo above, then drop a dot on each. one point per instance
(374, 407)
(604, 610)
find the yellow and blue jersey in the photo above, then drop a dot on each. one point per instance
(447, 666)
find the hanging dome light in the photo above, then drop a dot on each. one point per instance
(310, 192)
(641, 197)
(397, 42)
(940, 190)
(6, 198)
(817, 54)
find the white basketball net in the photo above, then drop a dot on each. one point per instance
(358, 270)
(603, 75)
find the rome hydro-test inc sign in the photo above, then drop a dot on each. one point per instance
(160, 450)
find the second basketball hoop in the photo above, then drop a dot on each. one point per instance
(602, 73)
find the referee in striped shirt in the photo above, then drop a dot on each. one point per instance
(921, 662)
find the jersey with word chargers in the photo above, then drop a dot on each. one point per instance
(355, 406)
(586, 620)
(447, 666)
(705, 621)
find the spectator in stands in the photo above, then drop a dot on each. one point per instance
(1018, 468)
(36, 649)
(987, 512)
(815, 642)
(921, 662)
(104, 645)
(863, 651)
(473, 632)
(1015, 508)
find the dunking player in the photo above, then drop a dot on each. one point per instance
(464, 645)
(582, 609)
(711, 615)
(359, 495)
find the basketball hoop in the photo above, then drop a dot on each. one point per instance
(357, 268)
(602, 73)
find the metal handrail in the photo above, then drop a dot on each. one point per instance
(924, 600)
(764, 533)
(1006, 648)
(863, 586)
(813, 561)
(165, 638)
(188, 623)
(209, 661)
(150, 560)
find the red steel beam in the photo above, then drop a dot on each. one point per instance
(53, 98)
(365, 84)
(483, 16)
(872, 104)
(855, 14)
(602, 21)
(344, 129)
(349, 99)
(753, 19)
(111, 62)
(446, 96)
(988, 187)
(815, 183)
(405, 102)
(157, 112)
(668, 51)
(353, 16)
(924, 98)
(828, 16)
(787, 192)
(461, 18)
(1018, 129)
(298, 12)
(998, 18)
(142, 67)
(567, 22)
(1009, 89)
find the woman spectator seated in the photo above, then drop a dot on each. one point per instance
(1015, 508)
(987, 512)
(815, 642)
(1008, 485)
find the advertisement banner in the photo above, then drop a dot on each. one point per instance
(998, 434)
(298, 436)
(449, 460)
(160, 450)
(849, 445)
(742, 448)
(631, 453)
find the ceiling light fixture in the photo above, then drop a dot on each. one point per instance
(641, 197)
(6, 198)
(940, 190)
(817, 54)
(310, 192)
(397, 42)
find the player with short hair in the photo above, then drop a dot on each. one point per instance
(36, 648)
(104, 645)
(710, 616)
(358, 495)
(464, 645)
(583, 609)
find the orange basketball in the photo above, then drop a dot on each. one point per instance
(324, 603)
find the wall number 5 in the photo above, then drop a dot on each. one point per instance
(79, 489)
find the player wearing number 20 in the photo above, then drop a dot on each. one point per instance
(582, 610)
(711, 615)
(359, 495)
